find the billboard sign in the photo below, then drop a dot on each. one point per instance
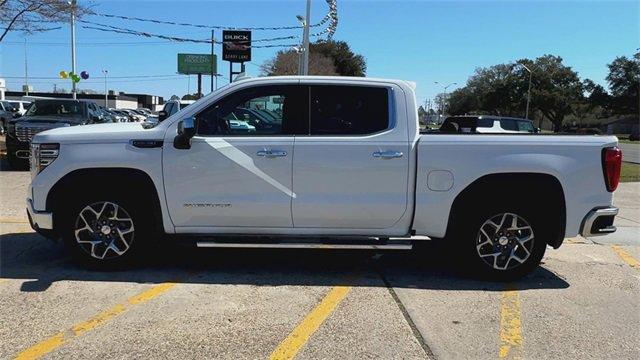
(196, 64)
(236, 46)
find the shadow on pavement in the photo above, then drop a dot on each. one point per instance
(42, 262)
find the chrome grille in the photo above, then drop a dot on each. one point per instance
(25, 133)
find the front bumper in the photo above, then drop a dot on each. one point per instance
(39, 220)
(599, 222)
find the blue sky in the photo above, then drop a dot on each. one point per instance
(421, 41)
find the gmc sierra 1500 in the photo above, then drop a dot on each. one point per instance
(330, 157)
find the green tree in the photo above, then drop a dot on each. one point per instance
(556, 89)
(326, 58)
(624, 83)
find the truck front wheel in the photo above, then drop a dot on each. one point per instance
(503, 242)
(106, 232)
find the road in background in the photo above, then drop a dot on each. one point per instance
(630, 152)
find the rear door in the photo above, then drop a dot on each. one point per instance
(351, 170)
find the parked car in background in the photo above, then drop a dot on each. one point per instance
(145, 111)
(117, 116)
(20, 105)
(348, 161)
(133, 116)
(173, 106)
(7, 112)
(487, 125)
(44, 115)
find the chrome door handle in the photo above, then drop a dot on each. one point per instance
(387, 154)
(272, 153)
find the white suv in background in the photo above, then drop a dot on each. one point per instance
(487, 125)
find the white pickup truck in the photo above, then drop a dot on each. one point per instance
(334, 163)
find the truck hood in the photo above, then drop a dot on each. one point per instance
(99, 133)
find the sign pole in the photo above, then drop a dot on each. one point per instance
(199, 85)
(212, 57)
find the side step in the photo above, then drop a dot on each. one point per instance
(292, 244)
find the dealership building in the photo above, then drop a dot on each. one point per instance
(119, 101)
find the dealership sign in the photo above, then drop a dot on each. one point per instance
(196, 64)
(236, 46)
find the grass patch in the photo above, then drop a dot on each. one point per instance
(630, 172)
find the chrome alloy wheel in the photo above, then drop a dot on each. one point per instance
(104, 230)
(505, 241)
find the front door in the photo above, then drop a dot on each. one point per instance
(351, 171)
(238, 170)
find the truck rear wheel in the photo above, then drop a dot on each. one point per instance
(107, 231)
(502, 242)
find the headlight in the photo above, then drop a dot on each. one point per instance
(42, 155)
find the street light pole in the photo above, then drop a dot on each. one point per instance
(73, 46)
(444, 96)
(526, 116)
(106, 98)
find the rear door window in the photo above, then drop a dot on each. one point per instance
(509, 124)
(348, 110)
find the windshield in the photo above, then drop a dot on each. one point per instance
(56, 108)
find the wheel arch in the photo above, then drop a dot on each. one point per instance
(546, 193)
(85, 179)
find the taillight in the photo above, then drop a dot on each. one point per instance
(611, 164)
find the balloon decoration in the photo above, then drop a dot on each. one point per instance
(73, 76)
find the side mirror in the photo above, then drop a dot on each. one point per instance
(186, 130)
(162, 115)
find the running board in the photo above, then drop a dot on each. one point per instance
(292, 245)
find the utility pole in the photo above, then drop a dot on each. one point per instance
(26, 70)
(73, 46)
(303, 51)
(305, 43)
(106, 93)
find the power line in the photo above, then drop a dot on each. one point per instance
(217, 27)
(115, 29)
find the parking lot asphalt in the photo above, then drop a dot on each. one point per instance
(583, 302)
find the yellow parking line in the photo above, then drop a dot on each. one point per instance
(626, 257)
(46, 346)
(510, 325)
(301, 334)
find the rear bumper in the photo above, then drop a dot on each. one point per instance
(39, 220)
(599, 222)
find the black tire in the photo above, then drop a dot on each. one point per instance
(467, 237)
(130, 204)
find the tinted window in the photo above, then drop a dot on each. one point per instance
(525, 126)
(348, 110)
(56, 108)
(465, 124)
(267, 110)
(509, 124)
